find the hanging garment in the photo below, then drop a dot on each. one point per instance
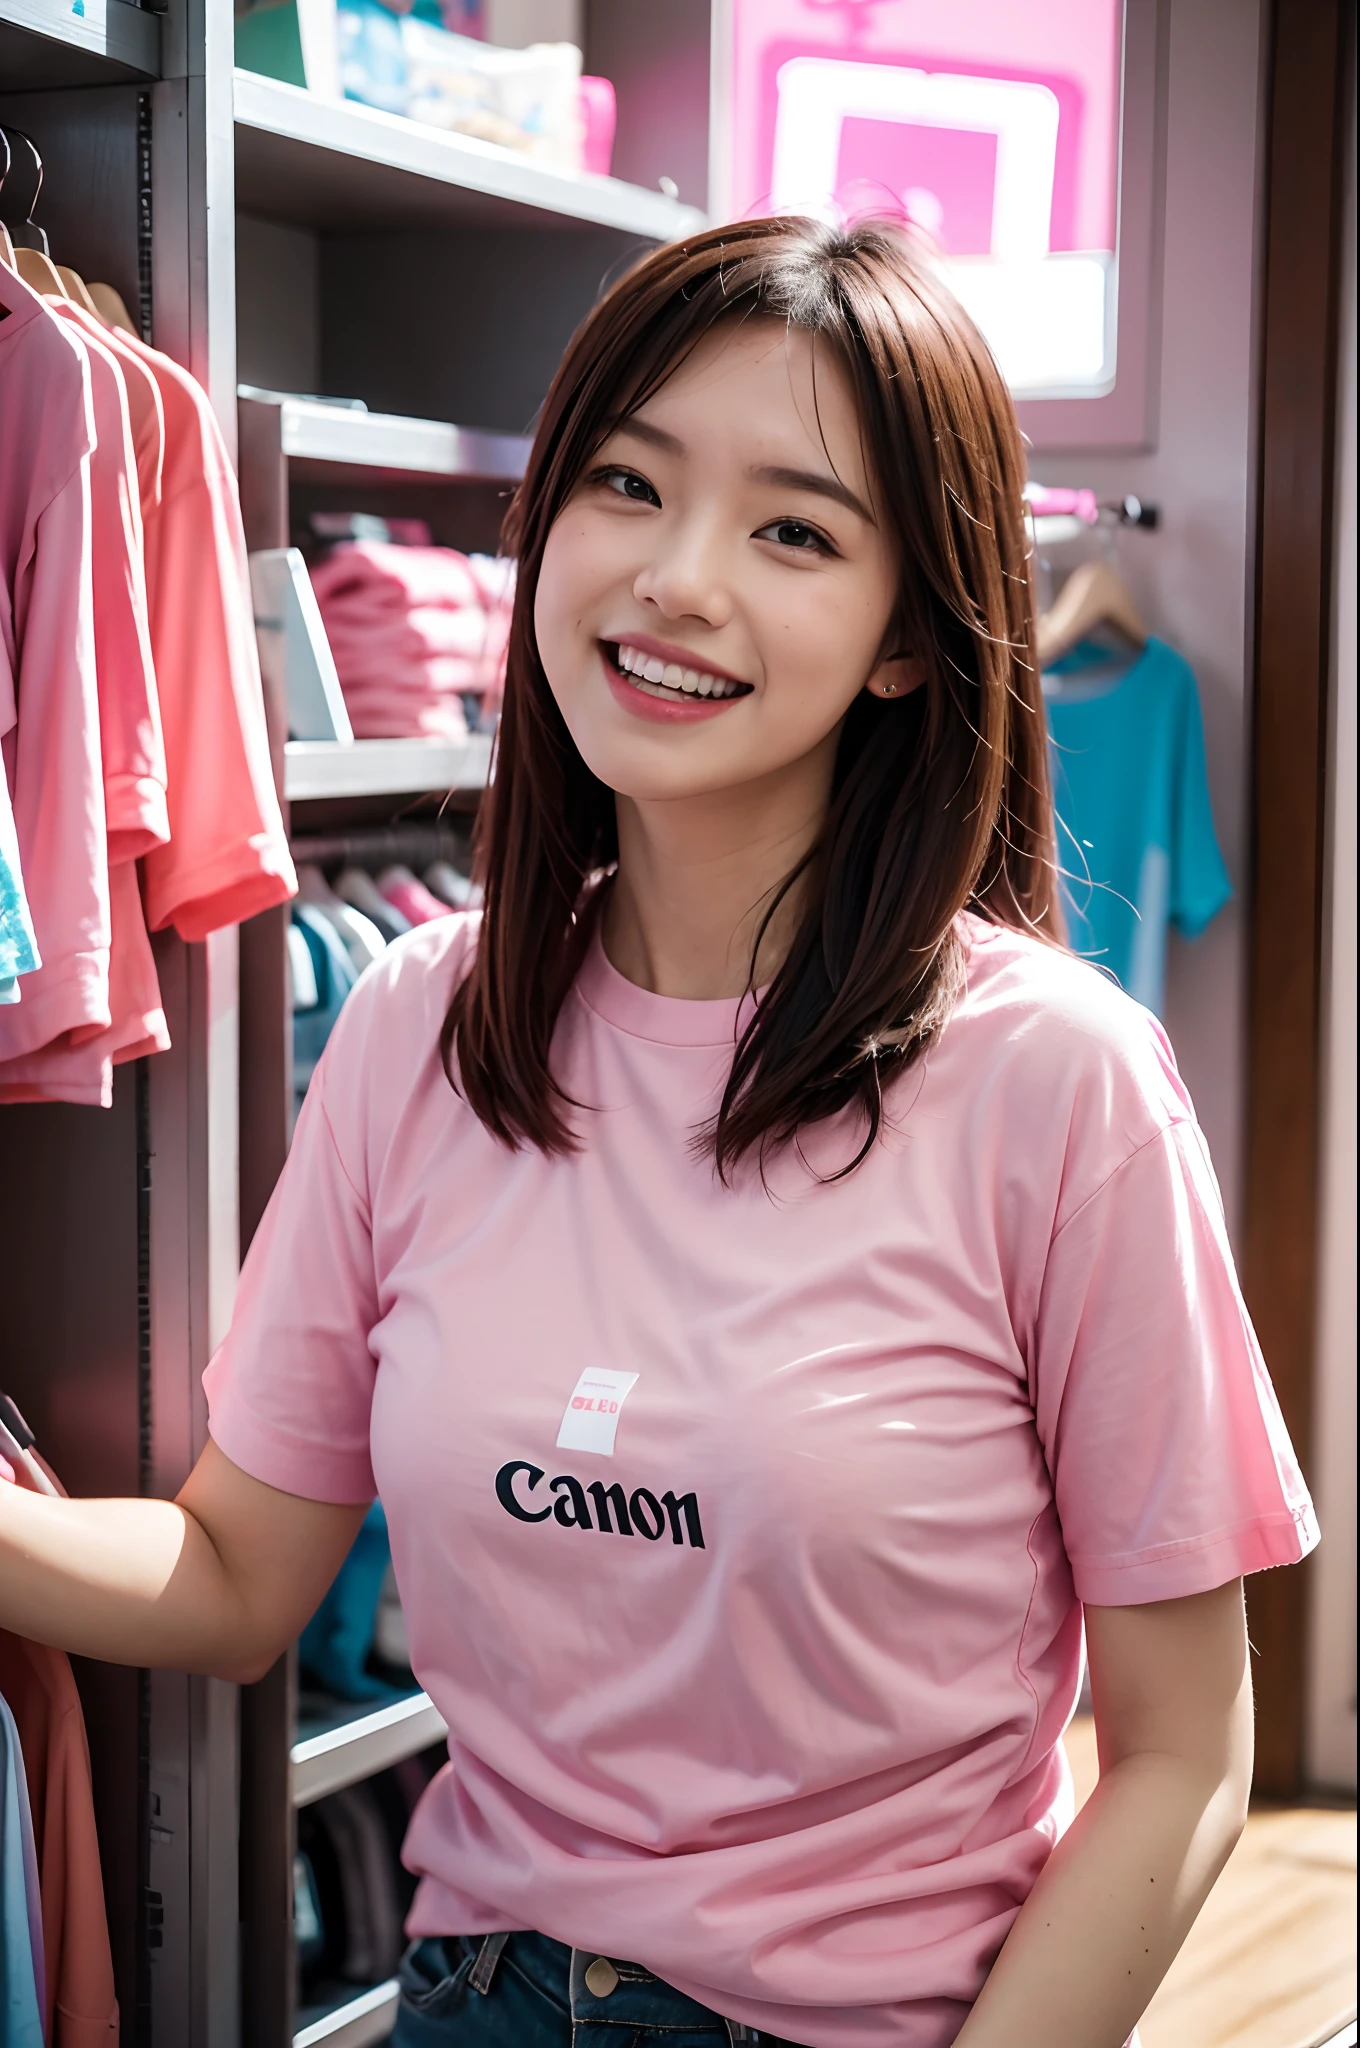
(362, 893)
(145, 410)
(228, 853)
(334, 1646)
(49, 702)
(81, 2010)
(21, 1965)
(333, 977)
(18, 946)
(408, 894)
(133, 760)
(1136, 839)
(358, 934)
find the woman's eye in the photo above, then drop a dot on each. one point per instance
(793, 533)
(628, 484)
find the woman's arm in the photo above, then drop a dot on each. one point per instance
(219, 1580)
(1172, 1694)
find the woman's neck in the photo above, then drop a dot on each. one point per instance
(695, 880)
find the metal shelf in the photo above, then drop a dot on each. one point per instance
(362, 2020)
(336, 164)
(325, 768)
(327, 441)
(358, 1748)
(52, 43)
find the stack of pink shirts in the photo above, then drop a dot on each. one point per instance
(413, 631)
(132, 722)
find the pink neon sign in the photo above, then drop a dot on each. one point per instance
(940, 153)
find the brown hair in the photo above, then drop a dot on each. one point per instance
(940, 802)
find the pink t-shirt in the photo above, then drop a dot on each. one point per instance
(742, 1533)
(228, 853)
(49, 702)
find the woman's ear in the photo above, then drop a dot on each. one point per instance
(897, 675)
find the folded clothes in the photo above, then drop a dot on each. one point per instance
(412, 631)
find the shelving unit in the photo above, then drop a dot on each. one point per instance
(357, 1744)
(340, 443)
(338, 165)
(315, 770)
(48, 44)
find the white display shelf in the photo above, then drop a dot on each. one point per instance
(336, 164)
(355, 1749)
(76, 42)
(318, 438)
(366, 2018)
(325, 768)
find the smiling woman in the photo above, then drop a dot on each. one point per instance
(771, 541)
(750, 1500)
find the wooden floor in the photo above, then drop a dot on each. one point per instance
(1270, 1963)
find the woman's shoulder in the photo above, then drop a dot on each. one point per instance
(398, 1004)
(1064, 1033)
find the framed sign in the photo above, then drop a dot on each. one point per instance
(1020, 141)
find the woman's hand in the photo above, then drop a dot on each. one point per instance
(220, 1580)
(1172, 1693)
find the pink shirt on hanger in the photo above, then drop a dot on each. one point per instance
(130, 737)
(132, 756)
(742, 1533)
(143, 396)
(49, 712)
(228, 853)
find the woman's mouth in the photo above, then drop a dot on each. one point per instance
(648, 686)
(669, 680)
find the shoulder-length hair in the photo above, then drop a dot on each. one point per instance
(940, 803)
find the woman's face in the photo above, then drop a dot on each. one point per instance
(718, 589)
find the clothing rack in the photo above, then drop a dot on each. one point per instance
(414, 845)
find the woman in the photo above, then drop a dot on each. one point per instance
(774, 1287)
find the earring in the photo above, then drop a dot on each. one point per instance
(888, 689)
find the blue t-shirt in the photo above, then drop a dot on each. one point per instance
(1136, 840)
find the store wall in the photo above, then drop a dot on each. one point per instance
(1331, 1745)
(1193, 577)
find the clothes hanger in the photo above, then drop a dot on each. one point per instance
(18, 197)
(1093, 595)
(76, 289)
(6, 246)
(107, 305)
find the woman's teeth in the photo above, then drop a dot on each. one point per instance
(662, 676)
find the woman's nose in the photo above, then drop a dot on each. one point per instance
(686, 577)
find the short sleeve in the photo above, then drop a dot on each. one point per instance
(1171, 1466)
(291, 1386)
(1199, 881)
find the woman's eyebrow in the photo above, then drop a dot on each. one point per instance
(815, 480)
(655, 437)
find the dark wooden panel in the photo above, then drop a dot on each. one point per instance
(88, 206)
(1308, 54)
(443, 294)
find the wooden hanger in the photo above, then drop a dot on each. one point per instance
(19, 188)
(40, 273)
(1093, 595)
(107, 305)
(77, 289)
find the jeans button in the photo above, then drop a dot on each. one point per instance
(601, 1977)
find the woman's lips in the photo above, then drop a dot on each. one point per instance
(661, 710)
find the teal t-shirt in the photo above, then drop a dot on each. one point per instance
(1136, 841)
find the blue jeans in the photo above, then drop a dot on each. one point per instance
(525, 1991)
